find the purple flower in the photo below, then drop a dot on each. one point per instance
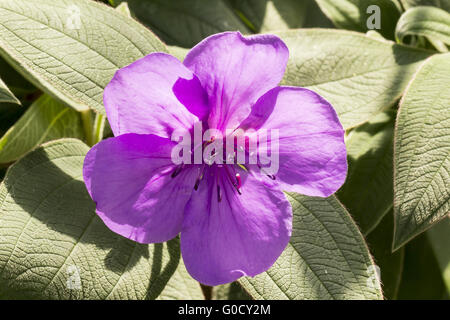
(233, 220)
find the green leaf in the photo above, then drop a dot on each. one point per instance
(71, 49)
(185, 23)
(354, 15)
(444, 4)
(124, 9)
(6, 95)
(98, 128)
(45, 120)
(326, 257)
(390, 263)
(54, 246)
(421, 153)
(421, 277)
(181, 286)
(360, 76)
(439, 237)
(230, 291)
(269, 15)
(374, 35)
(368, 190)
(430, 22)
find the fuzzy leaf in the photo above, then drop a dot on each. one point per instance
(444, 4)
(45, 120)
(359, 75)
(357, 14)
(185, 23)
(326, 257)
(368, 190)
(430, 22)
(54, 246)
(71, 49)
(265, 16)
(422, 151)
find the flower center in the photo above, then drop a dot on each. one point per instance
(222, 162)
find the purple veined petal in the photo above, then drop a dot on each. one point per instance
(130, 179)
(312, 153)
(154, 95)
(242, 235)
(235, 71)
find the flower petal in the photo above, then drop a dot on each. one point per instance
(235, 71)
(154, 95)
(312, 154)
(240, 235)
(129, 178)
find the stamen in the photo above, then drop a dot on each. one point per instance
(243, 167)
(235, 181)
(238, 179)
(199, 178)
(176, 171)
(219, 194)
(271, 176)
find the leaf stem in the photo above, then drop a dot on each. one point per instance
(99, 127)
(207, 291)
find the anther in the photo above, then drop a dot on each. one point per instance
(271, 176)
(219, 194)
(199, 178)
(176, 171)
(238, 180)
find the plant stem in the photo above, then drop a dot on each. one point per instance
(207, 291)
(99, 127)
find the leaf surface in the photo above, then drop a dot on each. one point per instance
(71, 49)
(368, 191)
(326, 257)
(430, 22)
(54, 246)
(359, 75)
(422, 151)
(46, 119)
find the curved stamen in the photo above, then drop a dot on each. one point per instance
(238, 179)
(200, 177)
(177, 171)
(271, 176)
(235, 181)
(219, 194)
